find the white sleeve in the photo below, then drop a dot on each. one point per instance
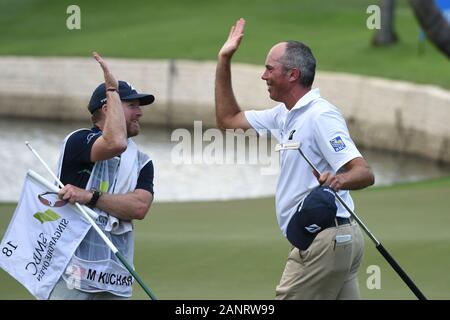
(262, 120)
(334, 141)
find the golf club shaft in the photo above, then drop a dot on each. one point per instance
(378, 244)
(97, 228)
(401, 273)
(135, 275)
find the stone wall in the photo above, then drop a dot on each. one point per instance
(381, 113)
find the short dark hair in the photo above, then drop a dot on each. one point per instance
(299, 56)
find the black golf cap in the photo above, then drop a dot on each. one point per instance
(316, 213)
(126, 92)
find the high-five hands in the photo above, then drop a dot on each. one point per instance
(110, 81)
(234, 39)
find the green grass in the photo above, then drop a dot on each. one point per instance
(336, 30)
(234, 249)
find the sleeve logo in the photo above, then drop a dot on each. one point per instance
(337, 144)
(90, 136)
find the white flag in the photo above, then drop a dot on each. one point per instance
(41, 238)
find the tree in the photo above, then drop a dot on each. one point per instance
(433, 23)
(386, 35)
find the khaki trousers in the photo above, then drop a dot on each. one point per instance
(327, 269)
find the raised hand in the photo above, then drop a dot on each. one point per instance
(234, 39)
(110, 80)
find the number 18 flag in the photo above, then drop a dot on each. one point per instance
(42, 236)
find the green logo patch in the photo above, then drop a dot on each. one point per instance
(104, 185)
(47, 215)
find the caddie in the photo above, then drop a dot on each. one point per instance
(103, 168)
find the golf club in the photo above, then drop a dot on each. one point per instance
(293, 145)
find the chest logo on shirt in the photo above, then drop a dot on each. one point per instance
(337, 144)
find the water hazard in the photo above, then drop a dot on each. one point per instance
(177, 181)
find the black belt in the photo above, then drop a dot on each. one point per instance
(341, 221)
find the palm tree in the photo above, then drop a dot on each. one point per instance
(433, 22)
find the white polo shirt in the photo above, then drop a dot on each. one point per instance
(325, 140)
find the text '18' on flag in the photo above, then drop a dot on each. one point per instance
(41, 238)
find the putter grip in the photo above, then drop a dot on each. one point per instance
(400, 272)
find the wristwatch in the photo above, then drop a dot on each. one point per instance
(95, 196)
